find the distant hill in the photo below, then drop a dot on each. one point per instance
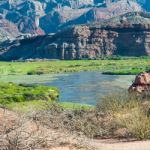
(142, 18)
(38, 17)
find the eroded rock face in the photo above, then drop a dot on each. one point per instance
(141, 83)
(37, 17)
(81, 42)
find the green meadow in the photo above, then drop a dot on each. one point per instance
(108, 66)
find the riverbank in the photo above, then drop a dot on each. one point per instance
(25, 98)
(108, 66)
(32, 113)
(116, 115)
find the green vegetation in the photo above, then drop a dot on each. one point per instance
(75, 106)
(26, 98)
(110, 65)
(128, 71)
(34, 105)
(10, 93)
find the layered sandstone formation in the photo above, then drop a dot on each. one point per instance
(141, 83)
(80, 42)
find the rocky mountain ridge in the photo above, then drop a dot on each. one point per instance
(127, 37)
(38, 17)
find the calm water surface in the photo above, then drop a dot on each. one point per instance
(80, 87)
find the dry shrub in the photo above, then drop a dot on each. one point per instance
(127, 113)
(114, 103)
(83, 122)
(29, 135)
(23, 135)
(136, 122)
(130, 112)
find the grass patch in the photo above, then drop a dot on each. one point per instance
(127, 71)
(27, 106)
(27, 98)
(112, 65)
(75, 106)
(11, 92)
(40, 105)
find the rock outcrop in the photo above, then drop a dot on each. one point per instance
(8, 30)
(82, 42)
(141, 84)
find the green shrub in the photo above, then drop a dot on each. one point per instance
(33, 72)
(147, 69)
(10, 92)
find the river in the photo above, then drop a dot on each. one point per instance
(79, 87)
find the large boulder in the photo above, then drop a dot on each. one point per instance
(141, 83)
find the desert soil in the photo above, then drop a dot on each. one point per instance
(106, 144)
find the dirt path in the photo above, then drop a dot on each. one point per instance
(114, 145)
(119, 145)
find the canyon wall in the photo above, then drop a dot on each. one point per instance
(92, 42)
(81, 42)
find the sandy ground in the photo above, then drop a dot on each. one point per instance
(113, 144)
(107, 144)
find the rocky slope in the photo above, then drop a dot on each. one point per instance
(127, 37)
(38, 17)
(7, 30)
